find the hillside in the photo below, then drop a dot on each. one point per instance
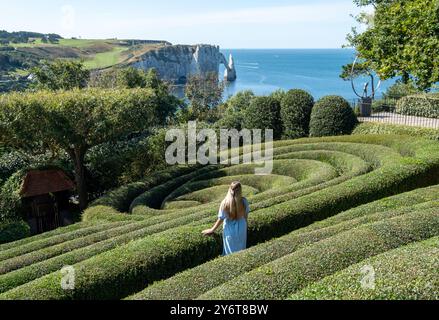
(20, 51)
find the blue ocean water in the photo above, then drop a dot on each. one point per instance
(315, 70)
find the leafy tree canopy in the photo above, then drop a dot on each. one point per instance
(402, 39)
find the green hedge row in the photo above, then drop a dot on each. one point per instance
(12, 231)
(60, 231)
(418, 167)
(126, 269)
(35, 256)
(383, 128)
(283, 277)
(39, 243)
(39, 269)
(419, 105)
(406, 273)
(192, 283)
(154, 197)
(121, 198)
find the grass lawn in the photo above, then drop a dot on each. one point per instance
(105, 59)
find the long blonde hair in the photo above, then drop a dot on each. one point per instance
(232, 203)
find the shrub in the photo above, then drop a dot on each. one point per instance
(382, 128)
(405, 273)
(419, 105)
(296, 107)
(12, 231)
(383, 105)
(282, 277)
(11, 162)
(264, 113)
(332, 116)
(10, 201)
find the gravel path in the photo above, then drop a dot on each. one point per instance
(394, 118)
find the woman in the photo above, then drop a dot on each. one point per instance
(233, 213)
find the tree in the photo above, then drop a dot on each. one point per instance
(402, 39)
(232, 110)
(204, 93)
(264, 113)
(75, 121)
(296, 107)
(60, 75)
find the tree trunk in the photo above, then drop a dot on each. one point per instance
(77, 156)
(405, 77)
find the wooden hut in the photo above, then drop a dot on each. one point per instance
(45, 195)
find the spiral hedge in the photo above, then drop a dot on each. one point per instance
(328, 204)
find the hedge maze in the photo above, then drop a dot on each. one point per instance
(331, 206)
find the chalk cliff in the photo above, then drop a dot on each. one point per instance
(178, 62)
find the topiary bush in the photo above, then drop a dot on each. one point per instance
(264, 113)
(296, 107)
(332, 116)
(12, 231)
(419, 105)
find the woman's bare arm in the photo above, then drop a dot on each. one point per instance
(209, 232)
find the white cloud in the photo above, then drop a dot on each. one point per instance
(68, 17)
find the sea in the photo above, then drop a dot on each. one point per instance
(315, 70)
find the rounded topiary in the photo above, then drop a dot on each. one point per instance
(264, 113)
(296, 107)
(332, 116)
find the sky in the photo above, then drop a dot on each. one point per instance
(227, 23)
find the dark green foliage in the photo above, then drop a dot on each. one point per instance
(60, 75)
(234, 110)
(264, 113)
(332, 116)
(12, 231)
(296, 107)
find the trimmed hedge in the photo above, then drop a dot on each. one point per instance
(406, 273)
(194, 282)
(419, 105)
(154, 197)
(282, 277)
(39, 242)
(126, 269)
(382, 128)
(399, 163)
(296, 106)
(332, 116)
(120, 199)
(12, 231)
